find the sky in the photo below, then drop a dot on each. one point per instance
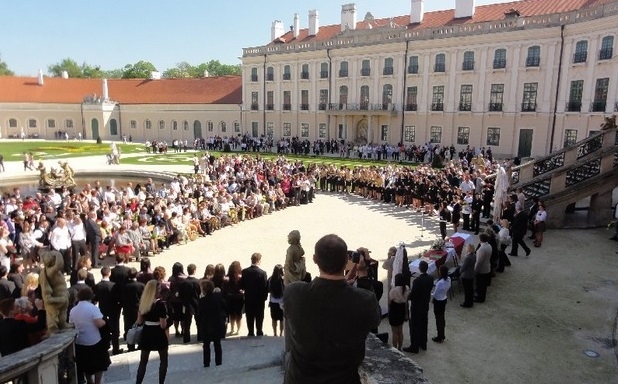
(112, 33)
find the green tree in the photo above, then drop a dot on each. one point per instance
(4, 69)
(140, 70)
(92, 72)
(215, 68)
(181, 70)
(69, 65)
(113, 73)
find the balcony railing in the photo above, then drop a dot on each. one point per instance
(270, 107)
(323, 74)
(573, 106)
(365, 71)
(499, 64)
(287, 76)
(467, 65)
(413, 69)
(533, 61)
(254, 106)
(437, 106)
(364, 106)
(304, 75)
(388, 71)
(495, 107)
(322, 106)
(439, 67)
(287, 107)
(528, 107)
(598, 106)
(343, 73)
(580, 57)
(411, 107)
(465, 107)
(254, 78)
(606, 53)
(270, 77)
(304, 107)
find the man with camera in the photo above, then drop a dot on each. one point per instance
(327, 321)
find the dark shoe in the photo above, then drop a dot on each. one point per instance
(528, 252)
(464, 305)
(178, 334)
(437, 339)
(424, 347)
(614, 238)
(260, 333)
(251, 335)
(511, 254)
(477, 300)
(410, 349)
(118, 352)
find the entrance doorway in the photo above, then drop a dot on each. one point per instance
(525, 143)
(361, 132)
(94, 126)
(197, 129)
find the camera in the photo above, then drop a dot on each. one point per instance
(354, 256)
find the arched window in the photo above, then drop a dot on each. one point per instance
(440, 64)
(236, 127)
(607, 48)
(161, 124)
(364, 97)
(210, 126)
(148, 124)
(113, 127)
(174, 125)
(33, 123)
(185, 125)
(581, 52)
(12, 123)
(387, 96)
(534, 56)
(223, 127)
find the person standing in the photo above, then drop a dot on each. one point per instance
(466, 275)
(131, 293)
(189, 293)
(539, 225)
(398, 309)
(519, 227)
(108, 297)
(439, 302)
(254, 283)
(445, 217)
(60, 240)
(93, 236)
(420, 296)
(482, 268)
(327, 321)
(78, 240)
(615, 237)
(275, 290)
(152, 313)
(211, 318)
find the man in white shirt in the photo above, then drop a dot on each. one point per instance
(78, 239)
(60, 240)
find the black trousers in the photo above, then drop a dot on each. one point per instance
(218, 352)
(466, 221)
(418, 328)
(66, 257)
(443, 229)
(482, 281)
(439, 309)
(255, 318)
(78, 248)
(468, 286)
(93, 246)
(517, 241)
(476, 221)
(114, 325)
(186, 327)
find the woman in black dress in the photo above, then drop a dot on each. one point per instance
(275, 289)
(234, 296)
(397, 311)
(211, 317)
(178, 276)
(153, 315)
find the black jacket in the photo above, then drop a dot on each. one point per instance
(420, 295)
(254, 282)
(108, 297)
(189, 293)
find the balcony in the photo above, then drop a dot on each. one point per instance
(573, 106)
(413, 69)
(580, 57)
(364, 106)
(322, 107)
(499, 63)
(387, 71)
(598, 106)
(270, 77)
(437, 106)
(323, 74)
(411, 107)
(287, 76)
(287, 107)
(467, 65)
(254, 106)
(606, 53)
(533, 61)
(343, 73)
(304, 75)
(495, 107)
(304, 107)
(465, 107)
(439, 67)
(270, 107)
(528, 107)
(365, 71)
(254, 78)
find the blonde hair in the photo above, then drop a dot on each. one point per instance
(470, 248)
(31, 282)
(149, 296)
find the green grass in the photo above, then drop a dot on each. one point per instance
(13, 150)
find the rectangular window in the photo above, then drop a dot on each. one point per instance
(413, 65)
(493, 136)
(500, 58)
(287, 129)
(287, 101)
(286, 73)
(468, 61)
(31, 123)
(341, 131)
(270, 100)
(575, 96)
(254, 74)
(496, 97)
(463, 135)
(570, 137)
(255, 128)
(236, 127)
(607, 48)
(534, 56)
(174, 125)
(254, 101)
(365, 68)
(270, 129)
(388, 66)
(51, 123)
(465, 98)
(12, 123)
(600, 95)
(437, 101)
(304, 100)
(529, 101)
(185, 125)
(270, 74)
(161, 124)
(210, 126)
(411, 98)
(68, 123)
(384, 132)
(323, 99)
(435, 135)
(304, 72)
(304, 129)
(409, 133)
(440, 63)
(581, 52)
(322, 131)
(324, 71)
(343, 69)
(148, 124)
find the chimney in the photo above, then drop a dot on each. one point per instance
(314, 23)
(206, 73)
(464, 8)
(416, 11)
(65, 75)
(155, 75)
(296, 27)
(276, 31)
(105, 93)
(40, 77)
(348, 16)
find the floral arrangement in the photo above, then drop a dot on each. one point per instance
(438, 245)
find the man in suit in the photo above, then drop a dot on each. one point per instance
(7, 287)
(108, 297)
(129, 299)
(519, 228)
(189, 292)
(256, 291)
(482, 267)
(420, 296)
(93, 236)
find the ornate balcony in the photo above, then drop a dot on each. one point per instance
(287, 107)
(388, 71)
(437, 107)
(439, 67)
(606, 53)
(287, 76)
(323, 74)
(254, 106)
(467, 65)
(270, 107)
(413, 69)
(304, 75)
(304, 107)
(465, 107)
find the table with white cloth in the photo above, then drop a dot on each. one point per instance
(431, 257)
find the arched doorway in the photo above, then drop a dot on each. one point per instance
(361, 132)
(197, 129)
(113, 127)
(94, 126)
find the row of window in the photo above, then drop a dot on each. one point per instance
(496, 98)
(533, 59)
(34, 123)
(210, 126)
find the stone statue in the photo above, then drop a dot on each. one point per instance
(54, 291)
(294, 269)
(56, 178)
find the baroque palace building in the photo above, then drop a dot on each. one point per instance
(525, 77)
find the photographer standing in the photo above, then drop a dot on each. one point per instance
(327, 321)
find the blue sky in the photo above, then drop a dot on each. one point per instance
(113, 33)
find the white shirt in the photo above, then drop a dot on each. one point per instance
(78, 233)
(83, 316)
(442, 287)
(60, 238)
(541, 216)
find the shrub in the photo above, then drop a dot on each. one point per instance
(437, 162)
(99, 141)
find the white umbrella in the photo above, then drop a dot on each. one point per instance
(501, 189)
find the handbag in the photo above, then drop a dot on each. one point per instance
(134, 334)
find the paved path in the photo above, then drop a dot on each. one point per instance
(540, 318)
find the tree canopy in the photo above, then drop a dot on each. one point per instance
(140, 70)
(4, 69)
(213, 67)
(75, 70)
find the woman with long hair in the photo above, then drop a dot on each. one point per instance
(397, 308)
(152, 314)
(234, 296)
(219, 276)
(539, 224)
(439, 302)
(209, 272)
(211, 316)
(178, 276)
(275, 291)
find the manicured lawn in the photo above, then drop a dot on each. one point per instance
(13, 149)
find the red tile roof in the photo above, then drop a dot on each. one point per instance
(209, 90)
(483, 13)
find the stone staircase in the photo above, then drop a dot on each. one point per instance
(589, 169)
